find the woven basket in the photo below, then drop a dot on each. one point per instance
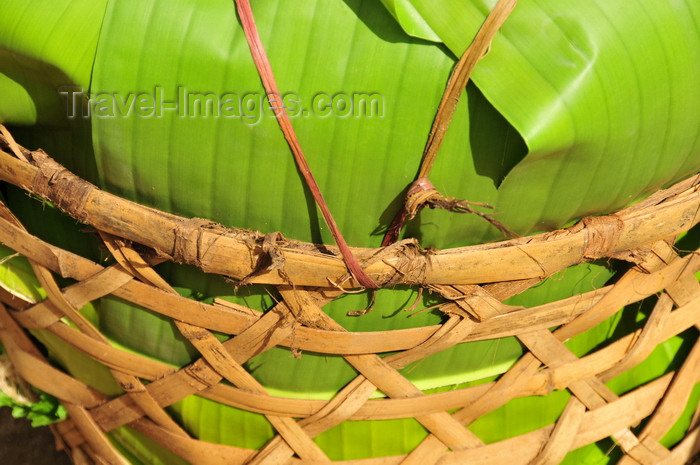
(473, 280)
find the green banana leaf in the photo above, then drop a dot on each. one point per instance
(17, 277)
(410, 19)
(575, 110)
(44, 46)
(592, 101)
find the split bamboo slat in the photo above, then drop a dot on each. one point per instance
(473, 281)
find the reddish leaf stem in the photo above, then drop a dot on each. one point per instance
(265, 70)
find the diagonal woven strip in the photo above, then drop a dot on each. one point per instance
(641, 235)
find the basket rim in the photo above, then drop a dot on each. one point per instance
(252, 257)
(639, 234)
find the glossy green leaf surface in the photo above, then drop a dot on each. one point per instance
(603, 93)
(238, 169)
(410, 19)
(44, 46)
(42, 412)
(17, 277)
(575, 110)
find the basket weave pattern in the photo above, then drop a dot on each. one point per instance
(474, 280)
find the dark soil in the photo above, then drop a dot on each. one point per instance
(20, 444)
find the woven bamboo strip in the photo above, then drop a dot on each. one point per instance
(641, 234)
(595, 424)
(557, 379)
(689, 447)
(562, 437)
(219, 359)
(75, 396)
(198, 452)
(673, 402)
(195, 377)
(54, 319)
(695, 370)
(128, 382)
(550, 378)
(430, 346)
(380, 374)
(220, 318)
(32, 366)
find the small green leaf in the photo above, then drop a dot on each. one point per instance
(410, 19)
(45, 411)
(17, 277)
(45, 45)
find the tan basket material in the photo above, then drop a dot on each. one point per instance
(474, 280)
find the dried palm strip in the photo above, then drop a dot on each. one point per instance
(381, 372)
(673, 403)
(690, 256)
(36, 370)
(508, 386)
(233, 319)
(75, 396)
(595, 425)
(561, 440)
(194, 451)
(68, 265)
(219, 359)
(688, 447)
(375, 372)
(42, 316)
(695, 318)
(388, 409)
(199, 376)
(540, 384)
(129, 383)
